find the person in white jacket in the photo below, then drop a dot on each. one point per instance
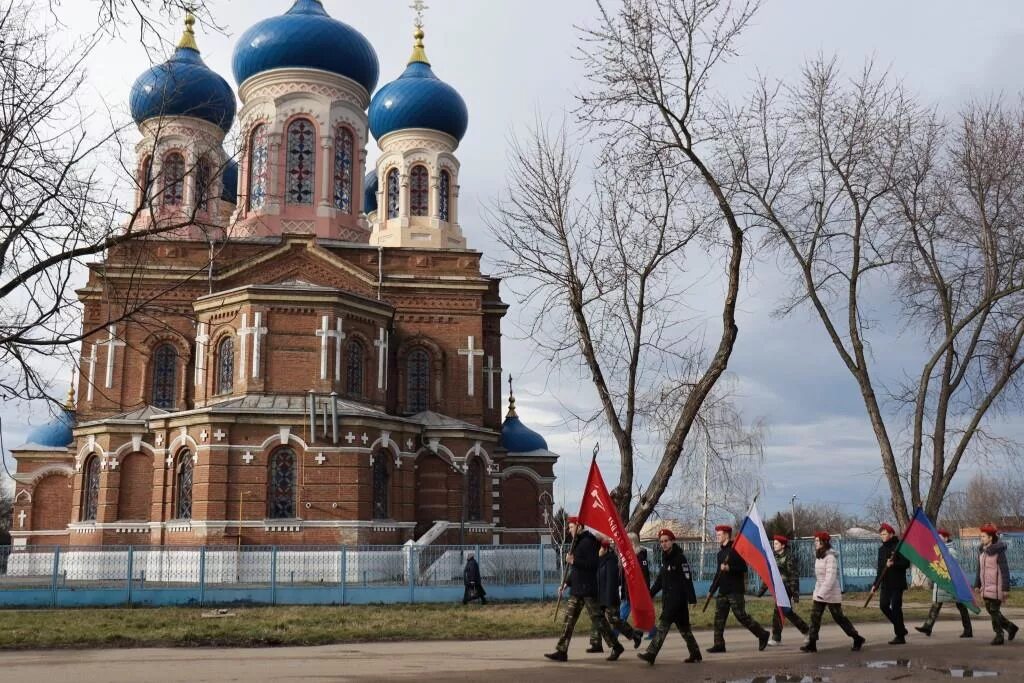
(827, 593)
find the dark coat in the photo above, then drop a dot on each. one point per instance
(582, 581)
(675, 580)
(471, 574)
(896, 578)
(609, 580)
(645, 567)
(734, 581)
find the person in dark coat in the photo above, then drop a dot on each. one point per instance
(790, 571)
(675, 582)
(732, 585)
(581, 582)
(471, 577)
(645, 567)
(5, 549)
(891, 581)
(609, 591)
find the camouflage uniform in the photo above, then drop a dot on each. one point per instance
(573, 608)
(790, 572)
(582, 584)
(731, 586)
(609, 588)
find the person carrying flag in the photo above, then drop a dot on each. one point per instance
(827, 593)
(790, 570)
(993, 581)
(941, 596)
(676, 581)
(891, 581)
(609, 587)
(732, 580)
(582, 584)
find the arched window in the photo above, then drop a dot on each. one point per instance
(418, 381)
(165, 372)
(394, 194)
(281, 493)
(204, 184)
(174, 179)
(380, 486)
(258, 165)
(225, 365)
(344, 152)
(444, 195)
(419, 191)
(146, 178)
(301, 161)
(354, 368)
(475, 490)
(183, 486)
(91, 489)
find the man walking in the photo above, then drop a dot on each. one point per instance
(785, 558)
(732, 579)
(609, 587)
(471, 577)
(891, 581)
(582, 584)
(676, 580)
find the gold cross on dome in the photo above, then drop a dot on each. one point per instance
(419, 6)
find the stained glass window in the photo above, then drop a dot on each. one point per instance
(165, 370)
(354, 369)
(301, 160)
(258, 165)
(183, 486)
(204, 182)
(475, 490)
(225, 365)
(281, 496)
(174, 179)
(146, 178)
(343, 155)
(91, 489)
(444, 195)
(380, 486)
(418, 384)
(419, 191)
(394, 194)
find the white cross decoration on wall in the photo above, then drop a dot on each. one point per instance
(339, 336)
(243, 341)
(408, 444)
(491, 372)
(320, 458)
(364, 438)
(259, 331)
(471, 354)
(170, 461)
(203, 436)
(91, 360)
(202, 339)
(219, 435)
(325, 334)
(112, 463)
(382, 355)
(21, 519)
(159, 439)
(112, 343)
(350, 437)
(247, 457)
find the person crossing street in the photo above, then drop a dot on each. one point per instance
(732, 583)
(675, 581)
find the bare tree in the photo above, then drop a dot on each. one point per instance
(882, 210)
(987, 498)
(144, 18)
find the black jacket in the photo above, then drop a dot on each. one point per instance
(734, 581)
(676, 581)
(471, 574)
(609, 580)
(645, 567)
(582, 579)
(896, 577)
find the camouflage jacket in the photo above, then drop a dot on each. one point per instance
(790, 570)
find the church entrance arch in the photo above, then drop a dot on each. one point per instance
(431, 491)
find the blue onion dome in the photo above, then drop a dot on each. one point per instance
(306, 37)
(56, 434)
(184, 86)
(229, 182)
(418, 99)
(517, 437)
(370, 186)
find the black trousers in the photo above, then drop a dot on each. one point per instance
(999, 622)
(891, 602)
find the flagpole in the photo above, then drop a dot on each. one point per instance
(572, 546)
(718, 573)
(895, 552)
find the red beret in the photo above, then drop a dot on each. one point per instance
(606, 543)
(886, 527)
(667, 532)
(781, 539)
(989, 529)
(943, 532)
(823, 535)
(724, 527)
(574, 520)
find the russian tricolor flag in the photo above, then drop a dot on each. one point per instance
(753, 546)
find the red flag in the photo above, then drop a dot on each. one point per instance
(599, 513)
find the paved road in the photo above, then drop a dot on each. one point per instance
(522, 660)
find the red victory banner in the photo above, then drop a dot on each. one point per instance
(598, 512)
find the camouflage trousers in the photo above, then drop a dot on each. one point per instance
(611, 615)
(665, 624)
(933, 615)
(792, 617)
(573, 608)
(999, 622)
(737, 604)
(836, 610)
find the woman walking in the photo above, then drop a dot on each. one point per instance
(993, 581)
(940, 597)
(827, 593)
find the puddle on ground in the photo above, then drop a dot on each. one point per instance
(964, 672)
(781, 678)
(888, 664)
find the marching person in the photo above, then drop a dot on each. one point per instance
(645, 567)
(790, 571)
(993, 581)
(891, 581)
(940, 597)
(582, 584)
(676, 580)
(471, 578)
(732, 580)
(827, 593)
(609, 585)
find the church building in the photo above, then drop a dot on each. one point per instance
(316, 359)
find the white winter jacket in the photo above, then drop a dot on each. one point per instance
(826, 574)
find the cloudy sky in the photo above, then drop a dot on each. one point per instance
(514, 60)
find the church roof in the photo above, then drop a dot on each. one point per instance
(429, 418)
(137, 415)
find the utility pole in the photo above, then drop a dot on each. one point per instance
(792, 513)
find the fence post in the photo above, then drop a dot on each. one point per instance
(56, 573)
(131, 561)
(842, 579)
(411, 562)
(343, 572)
(202, 576)
(273, 575)
(540, 568)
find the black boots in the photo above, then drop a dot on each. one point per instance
(1011, 631)
(716, 648)
(898, 640)
(637, 637)
(858, 643)
(594, 649)
(810, 646)
(762, 640)
(647, 657)
(616, 651)
(557, 656)
(926, 629)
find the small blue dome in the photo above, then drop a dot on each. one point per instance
(418, 99)
(56, 434)
(518, 438)
(229, 179)
(183, 86)
(370, 187)
(306, 37)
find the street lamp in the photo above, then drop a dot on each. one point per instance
(792, 513)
